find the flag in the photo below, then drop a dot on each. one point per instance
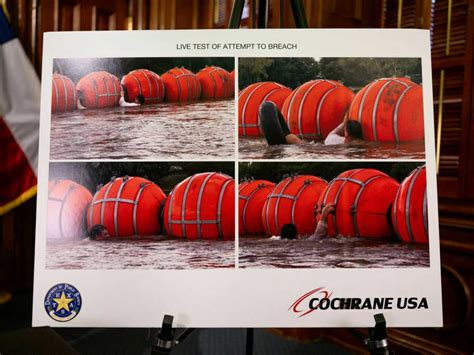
(19, 121)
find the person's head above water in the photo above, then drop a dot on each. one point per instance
(353, 130)
(98, 232)
(288, 231)
(140, 99)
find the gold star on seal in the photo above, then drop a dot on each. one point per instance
(63, 302)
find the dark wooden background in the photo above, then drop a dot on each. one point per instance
(452, 26)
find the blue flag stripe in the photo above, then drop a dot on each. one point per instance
(6, 31)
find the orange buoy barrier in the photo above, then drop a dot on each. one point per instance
(362, 198)
(410, 210)
(67, 205)
(64, 95)
(232, 81)
(143, 82)
(99, 89)
(127, 206)
(215, 83)
(201, 207)
(252, 197)
(390, 110)
(315, 108)
(250, 100)
(181, 85)
(292, 201)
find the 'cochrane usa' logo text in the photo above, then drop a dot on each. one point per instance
(321, 299)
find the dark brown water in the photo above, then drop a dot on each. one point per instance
(141, 254)
(330, 253)
(257, 148)
(162, 131)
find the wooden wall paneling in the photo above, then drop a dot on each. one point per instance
(468, 151)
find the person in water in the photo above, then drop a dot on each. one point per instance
(321, 231)
(276, 130)
(288, 231)
(139, 101)
(98, 232)
(348, 131)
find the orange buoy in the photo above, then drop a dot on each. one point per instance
(67, 205)
(292, 201)
(201, 207)
(410, 210)
(99, 89)
(362, 198)
(250, 100)
(232, 81)
(127, 206)
(64, 95)
(181, 85)
(315, 108)
(252, 196)
(389, 110)
(215, 83)
(143, 82)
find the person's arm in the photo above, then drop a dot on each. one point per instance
(321, 231)
(293, 139)
(124, 103)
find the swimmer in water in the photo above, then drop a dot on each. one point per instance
(321, 231)
(139, 101)
(276, 130)
(98, 232)
(348, 131)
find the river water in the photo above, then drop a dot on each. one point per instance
(330, 253)
(162, 131)
(168, 254)
(257, 148)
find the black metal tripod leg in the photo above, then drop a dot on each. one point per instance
(299, 14)
(262, 14)
(236, 14)
(249, 342)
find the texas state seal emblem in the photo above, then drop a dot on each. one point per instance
(63, 302)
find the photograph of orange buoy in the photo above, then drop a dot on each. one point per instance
(142, 108)
(333, 215)
(147, 215)
(330, 108)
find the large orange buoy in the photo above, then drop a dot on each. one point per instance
(232, 81)
(410, 210)
(315, 108)
(127, 206)
(252, 196)
(64, 95)
(362, 198)
(99, 89)
(390, 110)
(201, 207)
(250, 100)
(292, 201)
(181, 85)
(215, 83)
(143, 82)
(67, 205)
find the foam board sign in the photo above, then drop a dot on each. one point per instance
(237, 178)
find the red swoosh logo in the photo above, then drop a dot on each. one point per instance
(294, 306)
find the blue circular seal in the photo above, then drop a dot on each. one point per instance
(63, 302)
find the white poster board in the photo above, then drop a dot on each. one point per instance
(128, 292)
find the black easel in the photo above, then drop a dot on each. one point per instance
(297, 8)
(166, 339)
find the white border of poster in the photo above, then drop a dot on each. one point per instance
(238, 297)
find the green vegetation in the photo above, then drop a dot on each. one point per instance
(76, 68)
(166, 175)
(352, 72)
(276, 172)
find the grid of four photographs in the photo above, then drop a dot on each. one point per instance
(327, 171)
